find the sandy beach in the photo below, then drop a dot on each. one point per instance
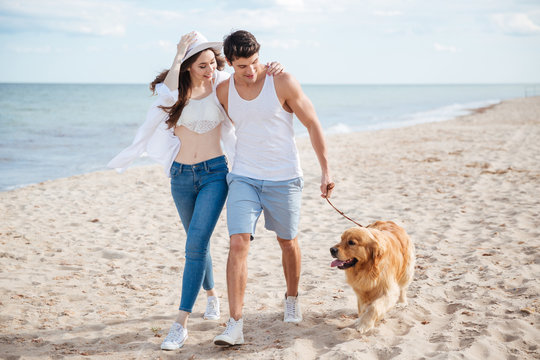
(90, 266)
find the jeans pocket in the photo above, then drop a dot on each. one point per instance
(218, 168)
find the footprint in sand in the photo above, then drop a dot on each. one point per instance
(108, 254)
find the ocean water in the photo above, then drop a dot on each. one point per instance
(49, 131)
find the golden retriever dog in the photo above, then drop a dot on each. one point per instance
(379, 265)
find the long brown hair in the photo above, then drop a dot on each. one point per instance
(184, 86)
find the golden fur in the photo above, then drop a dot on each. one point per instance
(382, 271)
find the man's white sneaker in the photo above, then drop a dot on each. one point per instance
(292, 313)
(212, 309)
(233, 334)
(176, 338)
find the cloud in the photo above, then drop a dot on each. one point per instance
(312, 6)
(445, 48)
(276, 17)
(93, 49)
(292, 5)
(157, 17)
(69, 16)
(33, 50)
(281, 44)
(516, 24)
(386, 13)
(166, 45)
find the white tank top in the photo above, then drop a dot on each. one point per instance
(265, 146)
(201, 115)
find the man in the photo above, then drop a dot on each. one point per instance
(266, 174)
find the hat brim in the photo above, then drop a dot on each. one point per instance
(216, 45)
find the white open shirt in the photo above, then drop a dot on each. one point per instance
(155, 140)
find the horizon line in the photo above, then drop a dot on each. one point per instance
(316, 84)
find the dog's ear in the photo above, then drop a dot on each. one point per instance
(377, 251)
(376, 255)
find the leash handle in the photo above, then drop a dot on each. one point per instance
(330, 187)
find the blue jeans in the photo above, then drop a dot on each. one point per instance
(199, 192)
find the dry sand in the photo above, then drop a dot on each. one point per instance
(90, 265)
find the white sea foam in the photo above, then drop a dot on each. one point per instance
(339, 128)
(75, 129)
(442, 113)
(434, 115)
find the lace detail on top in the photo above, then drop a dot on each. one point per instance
(201, 115)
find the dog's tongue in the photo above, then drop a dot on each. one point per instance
(337, 263)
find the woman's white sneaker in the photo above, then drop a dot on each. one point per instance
(212, 309)
(292, 312)
(233, 334)
(176, 338)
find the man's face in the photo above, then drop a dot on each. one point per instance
(247, 69)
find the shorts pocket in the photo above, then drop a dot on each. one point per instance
(298, 183)
(229, 178)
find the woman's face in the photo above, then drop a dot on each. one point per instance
(203, 68)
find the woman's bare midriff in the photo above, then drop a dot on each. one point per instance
(196, 147)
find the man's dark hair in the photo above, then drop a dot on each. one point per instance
(240, 44)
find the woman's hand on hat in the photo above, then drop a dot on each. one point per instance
(274, 68)
(186, 40)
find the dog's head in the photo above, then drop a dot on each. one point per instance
(358, 246)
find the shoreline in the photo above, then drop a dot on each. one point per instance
(90, 264)
(298, 137)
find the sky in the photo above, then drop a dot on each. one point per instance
(318, 41)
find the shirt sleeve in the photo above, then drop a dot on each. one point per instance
(152, 138)
(166, 95)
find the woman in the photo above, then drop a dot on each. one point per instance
(187, 113)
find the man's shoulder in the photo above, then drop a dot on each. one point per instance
(223, 84)
(284, 78)
(286, 83)
(222, 90)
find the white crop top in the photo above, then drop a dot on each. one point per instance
(155, 140)
(201, 115)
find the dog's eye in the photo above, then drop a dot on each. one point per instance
(351, 243)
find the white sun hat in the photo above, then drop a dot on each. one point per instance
(200, 44)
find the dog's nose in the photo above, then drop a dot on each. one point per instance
(333, 251)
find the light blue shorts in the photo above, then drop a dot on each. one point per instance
(280, 201)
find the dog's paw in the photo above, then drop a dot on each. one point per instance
(402, 303)
(363, 328)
